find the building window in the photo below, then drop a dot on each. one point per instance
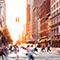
(54, 13)
(51, 3)
(57, 19)
(54, 0)
(57, 31)
(57, 4)
(54, 21)
(52, 9)
(57, 11)
(51, 22)
(54, 6)
(54, 32)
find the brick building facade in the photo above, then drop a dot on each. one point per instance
(44, 18)
(55, 22)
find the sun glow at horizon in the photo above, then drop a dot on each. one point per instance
(14, 28)
(15, 8)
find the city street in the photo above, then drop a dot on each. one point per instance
(27, 24)
(53, 55)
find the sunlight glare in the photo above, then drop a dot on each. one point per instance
(15, 8)
(14, 28)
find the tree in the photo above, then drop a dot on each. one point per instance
(6, 36)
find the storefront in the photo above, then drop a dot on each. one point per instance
(56, 41)
(43, 41)
(30, 41)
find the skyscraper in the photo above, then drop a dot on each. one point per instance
(3, 14)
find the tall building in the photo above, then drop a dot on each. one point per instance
(55, 22)
(24, 33)
(44, 18)
(32, 18)
(3, 14)
(35, 18)
(28, 17)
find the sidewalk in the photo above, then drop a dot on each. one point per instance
(54, 49)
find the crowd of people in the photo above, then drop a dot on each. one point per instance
(43, 47)
(4, 50)
(30, 52)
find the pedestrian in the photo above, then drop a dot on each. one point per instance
(31, 52)
(15, 49)
(1, 52)
(48, 47)
(5, 50)
(43, 48)
(27, 50)
(10, 48)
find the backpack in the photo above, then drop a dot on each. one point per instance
(35, 49)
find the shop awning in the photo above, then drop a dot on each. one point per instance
(43, 40)
(29, 40)
(49, 39)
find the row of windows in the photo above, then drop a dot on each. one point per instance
(55, 6)
(55, 13)
(53, 1)
(43, 27)
(43, 34)
(55, 20)
(55, 32)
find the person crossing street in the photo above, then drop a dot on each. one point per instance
(48, 47)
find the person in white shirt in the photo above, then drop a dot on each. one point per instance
(31, 52)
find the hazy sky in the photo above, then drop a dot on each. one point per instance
(16, 8)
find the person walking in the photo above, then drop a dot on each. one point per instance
(31, 52)
(48, 47)
(1, 52)
(5, 50)
(27, 49)
(43, 48)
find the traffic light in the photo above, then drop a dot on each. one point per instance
(17, 19)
